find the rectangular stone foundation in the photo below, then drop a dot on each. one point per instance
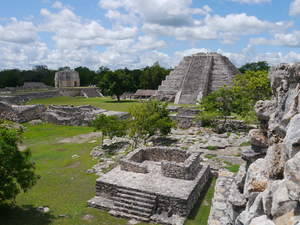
(172, 196)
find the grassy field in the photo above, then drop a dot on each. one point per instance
(65, 187)
(103, 103)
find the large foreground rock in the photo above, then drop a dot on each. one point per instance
(257, 138)
(291, 142)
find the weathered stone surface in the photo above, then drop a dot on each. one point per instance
(261, 220)
(292, 169)
(263, 109)
(252, 153)
(276, 160)
(254, 208)
(236, 203)
(290, 218)
(291, 142)
(257, 177)
(257, 138)
(268, 196)
(241, 176)
(281, 203)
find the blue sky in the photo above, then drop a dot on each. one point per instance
(137, 33)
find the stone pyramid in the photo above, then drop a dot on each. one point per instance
(196, 76)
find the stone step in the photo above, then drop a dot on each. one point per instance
(129, 216)
(136, 193)
(132, 212)
(133, 207)
(147, 205)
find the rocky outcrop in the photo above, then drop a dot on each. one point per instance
(272, 184)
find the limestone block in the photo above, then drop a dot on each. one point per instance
(268, 196)
(236, 203)
(263, 109)
(276, 160)
(241, 176)
(257, 177)
(252, 153)
(257, 138)
(291, 141)
(281, 203)
(255, 209)
(292, 169)
(240, 220)
(261, 220)
(289, 218)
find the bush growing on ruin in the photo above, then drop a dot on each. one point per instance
(16, 170)
(148, 119)
(111, 126)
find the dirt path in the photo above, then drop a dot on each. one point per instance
(81, 138)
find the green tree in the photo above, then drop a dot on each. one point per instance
(16, 170)
(151, 77)
(147, 119)
(260, 65)
(111, 126)
(217, 104)
(116, 83)
(253, 86)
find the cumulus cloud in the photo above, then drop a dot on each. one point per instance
(59, 5)
(250, 1)
(295, 8)
(279, 39)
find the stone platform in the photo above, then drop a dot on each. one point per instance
(149, 196)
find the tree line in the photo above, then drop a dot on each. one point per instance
(149, 77)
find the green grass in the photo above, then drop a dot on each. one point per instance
(232, 167)
(245, 144)
(210, 156)
(65, 187)
(211, 147)
(199, 214)
(103, 102)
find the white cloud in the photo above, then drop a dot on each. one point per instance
(279, 39)
(250, 1)
(295, 8)
(59, 5)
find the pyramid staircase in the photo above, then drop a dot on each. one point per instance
(133, 204)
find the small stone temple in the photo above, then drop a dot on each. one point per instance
(67, 78)
(159, 184)
(196, 76)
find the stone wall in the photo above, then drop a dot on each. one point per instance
(175, 163)
(185, 118)
(266, 189)
(21, 114)
(24, 97)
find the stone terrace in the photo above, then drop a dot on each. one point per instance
(151, 196)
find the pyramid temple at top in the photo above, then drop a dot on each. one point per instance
(197, 76)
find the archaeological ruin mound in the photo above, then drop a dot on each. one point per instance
(195, 77)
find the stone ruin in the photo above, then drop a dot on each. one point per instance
(195, 77)
(266, 190)
(159, 184)
(67, 78)
(21, 114)
(60, 115)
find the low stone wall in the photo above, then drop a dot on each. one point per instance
(185, 118)
(21, 114)
(70, 92)
(24, 97)
(91, 92)
(175, 163)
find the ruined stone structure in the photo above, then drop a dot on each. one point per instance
(67, 78)
(75, 116)
(159, 184)
(21, 114)
(195, 77)
(266, 190)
